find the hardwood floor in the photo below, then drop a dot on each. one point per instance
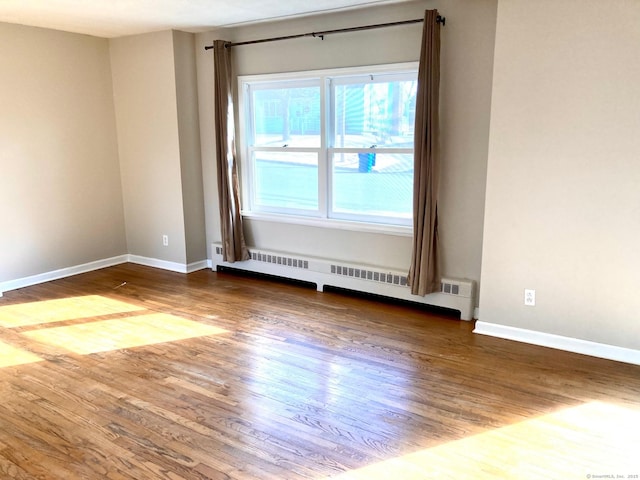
(135, 373)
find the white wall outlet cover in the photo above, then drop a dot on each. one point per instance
(529, 297)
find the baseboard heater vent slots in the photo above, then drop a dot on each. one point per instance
(456, 287)
(371, 275)
(455, 294)
(275, 259)
(279, 260)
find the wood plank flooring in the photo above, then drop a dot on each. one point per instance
(136, 373)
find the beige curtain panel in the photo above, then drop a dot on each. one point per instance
(424, 272)
(234, 247)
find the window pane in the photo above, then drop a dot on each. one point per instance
(286, 180)
(287, 116)
(375, 113)
(368, 184)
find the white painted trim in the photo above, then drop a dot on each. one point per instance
(97, 265)
(390, 68)
(165, 265)
(575, 345)
(195, 266)
(156, 263)
(397, 230)
(171, 266)
(62, 273)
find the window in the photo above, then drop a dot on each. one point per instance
(335, 145)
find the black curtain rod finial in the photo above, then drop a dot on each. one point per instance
(441, 19)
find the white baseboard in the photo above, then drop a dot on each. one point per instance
(171, 266)
(195, 266)
(97, 265)
(575, 345)
(61, 273)
(156, 263)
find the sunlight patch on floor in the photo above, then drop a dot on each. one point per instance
(107, 335)
(59, 310)
(11, 356)
(594, 440)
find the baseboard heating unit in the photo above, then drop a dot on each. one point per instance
(455, 294)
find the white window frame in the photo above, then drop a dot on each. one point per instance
(323, 217)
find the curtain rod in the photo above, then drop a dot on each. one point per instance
(321, 35)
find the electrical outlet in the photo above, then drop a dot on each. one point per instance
(165, 240)
(529, 297)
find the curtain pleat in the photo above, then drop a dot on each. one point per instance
(424, 272)
(234, 247)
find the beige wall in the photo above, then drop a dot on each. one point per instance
(59, 176)
(144, 85)
(189, 137)
(563, 186)
(467, 55)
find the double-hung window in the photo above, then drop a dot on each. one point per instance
(333, 145)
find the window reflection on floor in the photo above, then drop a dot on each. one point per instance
(62, 309)
(106, 335)
(11, 356)
(125, 326)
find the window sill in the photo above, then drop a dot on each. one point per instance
(397, 230)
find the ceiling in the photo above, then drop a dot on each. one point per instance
(115, 18)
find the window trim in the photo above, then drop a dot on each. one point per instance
(331, 223)
(321, 218)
